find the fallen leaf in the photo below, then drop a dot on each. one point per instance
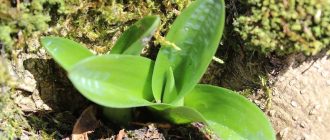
(121, 134)
(86, 123)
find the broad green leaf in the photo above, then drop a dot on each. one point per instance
(134, 39)
(230, 115)
(177, 114)
(65, 51)
(197, 31)
(117, 81)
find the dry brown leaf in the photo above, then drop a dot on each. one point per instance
(121, 134)
(86, 123)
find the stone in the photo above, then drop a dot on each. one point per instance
(303, 124)
(328, 82)
(272, 113)
(284, 132)
(295, 118)
(294, 104)
(314, 110)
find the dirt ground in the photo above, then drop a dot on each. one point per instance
(300, 102)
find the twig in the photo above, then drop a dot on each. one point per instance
(308, 67)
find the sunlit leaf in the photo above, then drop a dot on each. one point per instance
(197, 32)
(134, 39)
(118, 81)
(159, 78)
(169, 88)
(65, 51)
(230, 115)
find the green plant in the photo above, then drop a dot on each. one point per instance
(169, 86)
(286, 27)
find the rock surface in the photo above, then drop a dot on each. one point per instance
(301, 102)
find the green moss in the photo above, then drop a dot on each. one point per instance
(95, 23)
(5, 78)
(246, 92)
(267, 91)
(286, 27)
(24, 18)
(5, 32)
(12, 121)
(104, 21)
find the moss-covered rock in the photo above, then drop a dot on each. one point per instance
(18, 20)
(287, 26)
(95, 23)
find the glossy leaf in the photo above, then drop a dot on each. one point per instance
(65, 51)
(134, 39)
(169, 88)
(230, 115)
(197, 31)
(177, 114)
(159, 78)
(118, 81)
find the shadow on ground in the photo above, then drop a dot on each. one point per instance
(56, 91)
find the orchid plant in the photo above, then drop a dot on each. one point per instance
(123, 80)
